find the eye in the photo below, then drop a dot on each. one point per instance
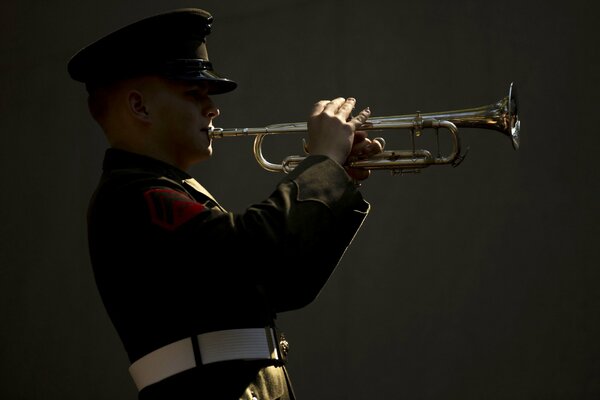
(198, 91)
(196, 94)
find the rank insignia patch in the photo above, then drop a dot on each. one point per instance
(169, 208)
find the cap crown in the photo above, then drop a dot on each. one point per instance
(171, 44)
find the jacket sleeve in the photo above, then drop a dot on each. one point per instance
(314, 215)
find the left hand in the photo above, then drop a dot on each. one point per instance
(362, 148)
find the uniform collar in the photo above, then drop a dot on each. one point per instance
(115, 159)
(122, 159)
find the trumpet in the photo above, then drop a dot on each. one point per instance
(501, 116)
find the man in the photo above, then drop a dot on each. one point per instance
(193, 290)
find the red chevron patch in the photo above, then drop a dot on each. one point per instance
(170, 209)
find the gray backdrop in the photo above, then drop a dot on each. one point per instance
(475, 282)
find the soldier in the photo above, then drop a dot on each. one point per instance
(192, 289)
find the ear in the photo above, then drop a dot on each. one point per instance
(137, 106)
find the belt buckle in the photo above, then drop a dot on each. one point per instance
(284, 347)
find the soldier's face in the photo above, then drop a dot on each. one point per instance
(182, 113)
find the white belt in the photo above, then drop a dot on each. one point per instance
(232, 344)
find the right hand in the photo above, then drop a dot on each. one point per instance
(331, 130)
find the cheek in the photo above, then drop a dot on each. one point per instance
(190, 116)
(181, 122)
(183, 119)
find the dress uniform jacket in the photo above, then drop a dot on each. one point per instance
(170, 262)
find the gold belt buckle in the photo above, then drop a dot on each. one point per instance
(284, 346)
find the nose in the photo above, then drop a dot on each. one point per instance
(210, 110)
(214, 114)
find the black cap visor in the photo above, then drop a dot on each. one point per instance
(197, 70)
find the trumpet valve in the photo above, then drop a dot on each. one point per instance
(418, 124)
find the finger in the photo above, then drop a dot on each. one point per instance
(361, 151)
(346, 108)
(361, 118)
(380, 141)
(334, 105)
(360, 146)
(359, 136)
(358, 174)
(375, 146)
(364, 148)
(318, 107)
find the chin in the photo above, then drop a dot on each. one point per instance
(203, 154)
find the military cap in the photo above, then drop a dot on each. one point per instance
(171, 44)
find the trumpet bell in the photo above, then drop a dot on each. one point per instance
(501, 116)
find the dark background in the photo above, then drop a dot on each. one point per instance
(479, 282)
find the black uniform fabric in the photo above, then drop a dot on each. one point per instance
(170, 262)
